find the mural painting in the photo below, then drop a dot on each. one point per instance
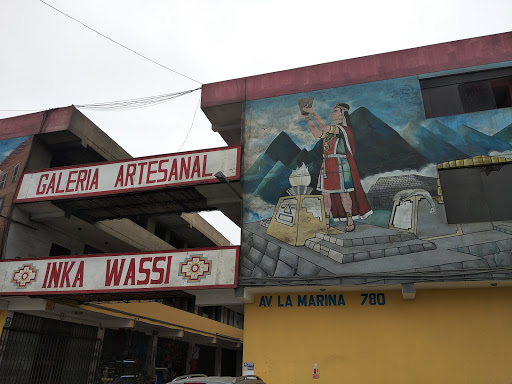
(342, 183)
(13, 156)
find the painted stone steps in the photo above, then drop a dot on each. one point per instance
(347, 251)
(367, 240)
(505, 228)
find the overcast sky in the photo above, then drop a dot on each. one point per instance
(48, 60)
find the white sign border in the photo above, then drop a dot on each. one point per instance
(212, 179)
(189, 251)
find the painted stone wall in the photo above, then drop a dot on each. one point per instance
(340, 186)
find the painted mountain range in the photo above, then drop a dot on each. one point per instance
(379, 148)
(505, 134)
(439, 143)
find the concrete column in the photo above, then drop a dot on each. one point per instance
(218, 362)
(239, 362)
(191, 347)
(151, 225)
(151, 356)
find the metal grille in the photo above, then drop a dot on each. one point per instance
(45, 351)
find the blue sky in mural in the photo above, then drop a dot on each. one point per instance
(267, 117)
(7, 146)
(386, 99)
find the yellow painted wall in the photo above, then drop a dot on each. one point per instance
(442, 336)
(3, 315)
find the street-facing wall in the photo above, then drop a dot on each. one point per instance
(443, 336)
(343, 182)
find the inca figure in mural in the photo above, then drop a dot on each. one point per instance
(339, 181)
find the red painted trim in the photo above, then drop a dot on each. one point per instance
(434, 58)
(125, 254)
(31, 124)
(211, 180)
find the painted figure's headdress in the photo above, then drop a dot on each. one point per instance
(344, 107)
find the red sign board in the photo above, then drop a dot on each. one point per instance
(185, 168)
(127, 272)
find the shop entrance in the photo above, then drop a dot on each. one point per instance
(46, 351)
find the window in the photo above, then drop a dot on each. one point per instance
(59, 250)
(90, 250)
(160, 230)
(477, 194)
(3, 180)
(15, 173)
(141, 221)
(468, 92)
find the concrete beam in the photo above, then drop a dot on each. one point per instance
(4, 305)
(221, 296)
(197, 222)
(408, 291)
(117, 323)
(26, 304)
(132, 234)
(176, 333)
(46, 216)
(223, 200)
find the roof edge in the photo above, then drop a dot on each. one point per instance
(408, 62)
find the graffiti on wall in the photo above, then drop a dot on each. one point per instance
(344, 180)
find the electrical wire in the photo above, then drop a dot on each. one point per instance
(121, 45)
(20, 110)
(191, 125)
(142, 102)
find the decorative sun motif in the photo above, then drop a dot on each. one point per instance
(24, 276)
(195, 268)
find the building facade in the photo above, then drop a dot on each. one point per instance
(86, 335)
(376, 239)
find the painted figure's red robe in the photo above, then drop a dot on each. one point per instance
(360, 206)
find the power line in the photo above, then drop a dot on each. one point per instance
(191, 125)
(140, 102)
(20, 110)
(121, 45)
(120, 105)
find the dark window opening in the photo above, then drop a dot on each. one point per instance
(141, 221)
(3, 180)
(89, 250)
(15, 173)
(466, 93)
(160, 230)
(2, 200)
(477, 194)
(228, 363)
(59, 250)
(212, 312)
